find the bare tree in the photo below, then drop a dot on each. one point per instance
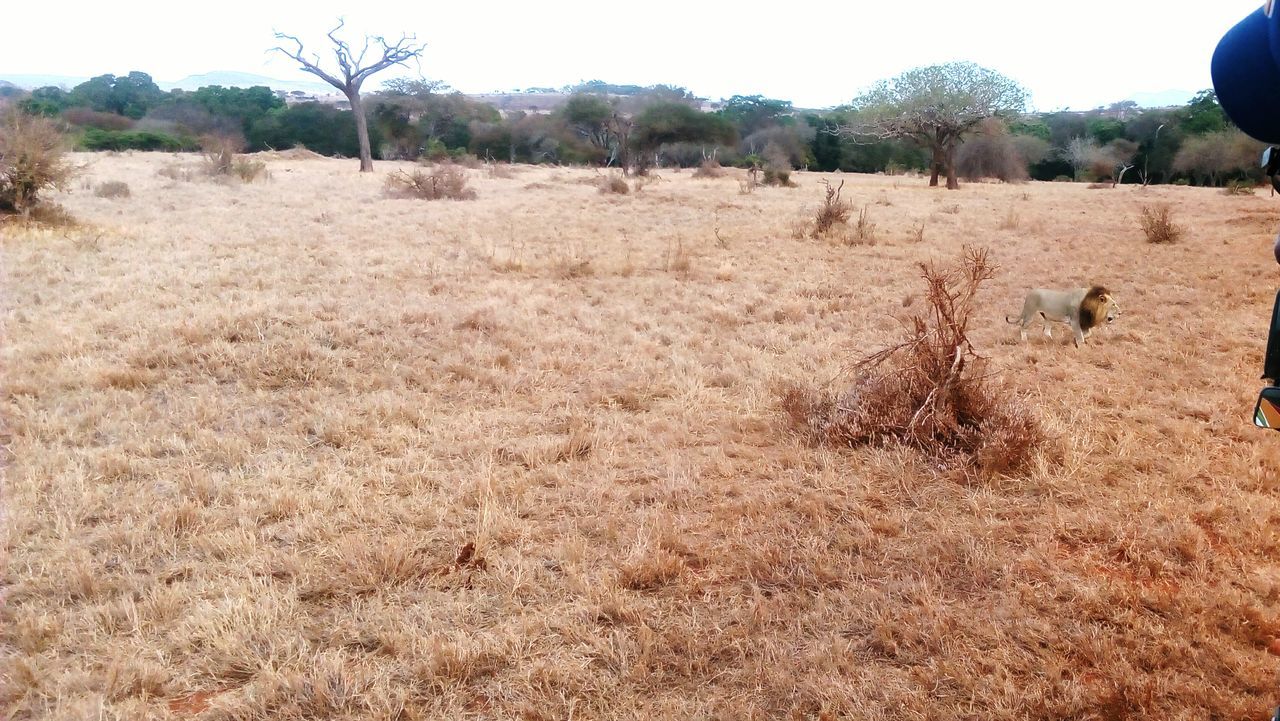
(935, 106)
(1082, 153)
(354, 72)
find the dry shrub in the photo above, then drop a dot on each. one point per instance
(917, 232)
(834, 211)
(249, 170)
(112, 189)
(932, 391)
(220, 152)
(614, 184)
(444, 182)
(32, 159)
(776, 177)
(1157, 224)
(864, 231)
(709, 168)
(1238, 187)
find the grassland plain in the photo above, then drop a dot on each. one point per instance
(296, 450)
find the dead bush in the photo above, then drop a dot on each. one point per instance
(931, 391)
(1157, 224)
(112, 189)
(614, 184)
(444, 182)
(32, 160)
(864, 231)
(1238, 187)
(220, 152)
(249, 170)
(833, 211)
(709, 168)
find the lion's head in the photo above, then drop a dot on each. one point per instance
(1098, 307)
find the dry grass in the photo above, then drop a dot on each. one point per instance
(112, 189)
(1157, 224)
(297, 450)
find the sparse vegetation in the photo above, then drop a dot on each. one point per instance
(1158, 225)
(445, 181)
(522, 458)
(112, 189)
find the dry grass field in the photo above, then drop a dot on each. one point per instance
(296, 450)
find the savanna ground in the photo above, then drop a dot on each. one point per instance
(292, 449)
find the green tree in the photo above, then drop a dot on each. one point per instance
(1203, 114)
(936, 106)
(676, 122)
(129, 95)
(751, 113)
(47, 101)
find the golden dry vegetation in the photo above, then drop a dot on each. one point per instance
(298, 450)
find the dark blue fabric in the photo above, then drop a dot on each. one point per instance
(1246, 75)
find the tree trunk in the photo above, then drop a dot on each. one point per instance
(949, 158)
(362, 131)
(934, 166)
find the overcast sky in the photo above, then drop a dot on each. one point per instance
(1078, 54)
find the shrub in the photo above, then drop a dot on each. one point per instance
(32, 159)
(219, 152)
(931, 391)
(614, 184)
(95, 139)
(249, 170)
(444, 182)
(833, 211)
(1238, 187)
(1157, 224)
(864, 231)
(709, 169)
(86, 118)
(112, 189)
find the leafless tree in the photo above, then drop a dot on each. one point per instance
(354, 72)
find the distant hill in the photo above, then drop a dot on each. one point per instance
(230, 79)
(31, 82)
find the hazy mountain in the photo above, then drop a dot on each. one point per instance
(31, 82)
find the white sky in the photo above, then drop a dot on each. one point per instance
(1078, 54)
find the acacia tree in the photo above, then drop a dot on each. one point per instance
(354, 72)
(935, 106)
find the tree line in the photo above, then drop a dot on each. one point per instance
(665, 126)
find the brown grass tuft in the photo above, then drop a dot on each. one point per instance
(1157, 224)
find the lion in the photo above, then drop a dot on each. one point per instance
(1083, 308)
